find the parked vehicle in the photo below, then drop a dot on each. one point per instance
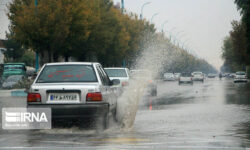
(198, 76)
(11, 81)
(74, 90)
(211, 75)
(169, 77)
(185, 78)
(240, 76)
(142, 75)
(13, 69)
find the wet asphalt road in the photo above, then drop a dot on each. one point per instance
(210, 115)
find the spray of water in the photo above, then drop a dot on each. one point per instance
(156, 55)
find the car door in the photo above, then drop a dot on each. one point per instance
(109, 92)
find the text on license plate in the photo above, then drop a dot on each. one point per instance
(63, 97)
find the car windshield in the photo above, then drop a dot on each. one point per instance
(185, 74)
(67, 73)
(240, 73)
(168, 74)
(116, 72)
(197, 73)
(14, 78)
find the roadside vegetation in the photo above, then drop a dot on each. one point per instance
(236, 46)
(86, 30)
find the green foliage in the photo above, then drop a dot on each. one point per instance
(234, 50)
(88, 30)
(244, 8)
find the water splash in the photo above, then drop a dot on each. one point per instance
(156, 55)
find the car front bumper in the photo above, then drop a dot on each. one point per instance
(240, 80)
(75, 111)
(198, 79)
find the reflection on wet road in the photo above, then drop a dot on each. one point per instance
(209, 115)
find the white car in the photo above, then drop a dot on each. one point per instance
(74, 90)
(185, 78)
(121, 74)
(211, 75)
(240, 76)
(198, 76)
(169, 77)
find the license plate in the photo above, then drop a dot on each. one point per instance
(63, 97)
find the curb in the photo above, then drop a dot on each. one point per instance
(13, 93)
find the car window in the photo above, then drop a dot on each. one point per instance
(100, 75)
(67, 73)
(106, 77)
(103, 76)
(116, 72)
(240, 73)
(185, 74)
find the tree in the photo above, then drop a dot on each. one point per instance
(244, 7)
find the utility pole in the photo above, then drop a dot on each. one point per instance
(37, 55)
(122, 3)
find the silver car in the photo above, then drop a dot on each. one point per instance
(74, 90)
(240, 76)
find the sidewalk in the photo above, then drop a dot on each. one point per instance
(13, 92)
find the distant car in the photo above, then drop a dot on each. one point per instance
(169, 77)
(74, 90)
(186, 78)
(232, 75)
(177, 76)
(211, 75)
(240, 76)
(121, 74)
(198, 76)
(142, 75)
(11, 81)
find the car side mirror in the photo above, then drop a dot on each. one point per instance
(115, 82)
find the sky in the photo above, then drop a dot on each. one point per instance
(200, 24)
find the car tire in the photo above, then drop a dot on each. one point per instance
(105, 123)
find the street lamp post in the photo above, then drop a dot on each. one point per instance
(141, 15)
(155, 14)
(37, 55)
(162, 27)
(122, 3)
